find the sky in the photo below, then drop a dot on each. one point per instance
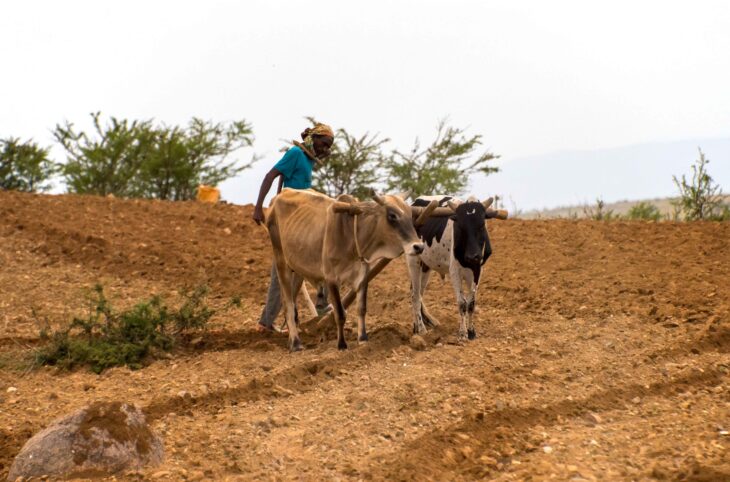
(536, 79)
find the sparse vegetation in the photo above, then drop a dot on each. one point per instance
(139, 159)
(442, 167)
(598, 212)
(106, 338)
(700, 198)
(644, 211)
(24, 166)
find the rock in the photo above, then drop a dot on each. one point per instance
(418, 343)
(547, 449)
(593, 418)
(98, 440)
(12, 390)
(636, 400)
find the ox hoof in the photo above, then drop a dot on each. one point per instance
(342, 345)
(471, 334)
(363, 338)
(296, 345)
(419, 329)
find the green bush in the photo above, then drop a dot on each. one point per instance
(700, 197)
(106, 338)
(25, 166)
(644, 211)
(599, 211)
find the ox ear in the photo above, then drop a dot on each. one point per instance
(404, 195)
(453, 204)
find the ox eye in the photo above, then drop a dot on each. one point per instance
(392, 217)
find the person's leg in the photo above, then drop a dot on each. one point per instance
(273, 302)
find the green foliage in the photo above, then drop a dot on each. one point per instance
(645, 211)
(599, 211)
(105, 338)
(352, 166)
(181, 159)
(700, 198)
(443, 167)
(24, 166)
(140, 159)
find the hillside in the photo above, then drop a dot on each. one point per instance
(603, 351)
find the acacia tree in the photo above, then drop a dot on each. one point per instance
(24, 166)
(139, 159)
(442, 167)
(107, 161)
(181, 159)
(701, 197)
(353, 165)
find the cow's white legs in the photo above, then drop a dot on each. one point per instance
(456, 273)
(470, 305)
(414, 270)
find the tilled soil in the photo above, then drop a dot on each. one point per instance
(603, 351)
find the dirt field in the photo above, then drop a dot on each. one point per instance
(603, 352)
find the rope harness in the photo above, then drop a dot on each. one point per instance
(357, 244)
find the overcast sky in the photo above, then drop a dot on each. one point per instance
(532, 77)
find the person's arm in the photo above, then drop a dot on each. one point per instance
(258, 210)
(281, 184)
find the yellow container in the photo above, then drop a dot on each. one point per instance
(208, 194)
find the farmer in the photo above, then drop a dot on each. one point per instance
(294, 170)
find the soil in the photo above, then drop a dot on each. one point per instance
(603, 351)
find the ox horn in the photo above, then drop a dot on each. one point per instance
(498, 214)
(425, 213)
(377, 198)
(404, 195)
(347, 208)
(487, 202)
(453, 204)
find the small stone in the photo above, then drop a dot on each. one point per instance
(227, 230)
(636, 400)
(594, 418)
(547, 449)
(12, 390)
(418, 343)
(161, 474)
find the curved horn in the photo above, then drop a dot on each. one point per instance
(404, 195)
(453, 204)
(425, 213)
(377, 198)
(498, 214)
(487, 202)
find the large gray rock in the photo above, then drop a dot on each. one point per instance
(101, 439)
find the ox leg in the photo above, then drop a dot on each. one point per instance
(288, 295)
(339, 312)
(428, 319)
(456, 283)
(362, 308)
(414, 270)
(303, 293)
(472, 284)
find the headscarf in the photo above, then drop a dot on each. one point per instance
(318, 129)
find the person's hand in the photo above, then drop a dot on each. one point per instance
(258, 215)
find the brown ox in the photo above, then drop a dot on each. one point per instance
(320, 239)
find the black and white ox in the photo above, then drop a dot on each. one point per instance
(457, 245)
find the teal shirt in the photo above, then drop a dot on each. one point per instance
(296, 168)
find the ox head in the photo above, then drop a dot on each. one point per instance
(388, 219)
(471, 239)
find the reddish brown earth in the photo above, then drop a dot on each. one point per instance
(603, 352)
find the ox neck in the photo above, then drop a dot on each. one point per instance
(359, 251)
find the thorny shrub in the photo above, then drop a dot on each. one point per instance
(106, 338)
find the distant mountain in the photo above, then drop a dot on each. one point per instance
(574, 178)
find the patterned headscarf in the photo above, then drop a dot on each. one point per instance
(319, 129)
